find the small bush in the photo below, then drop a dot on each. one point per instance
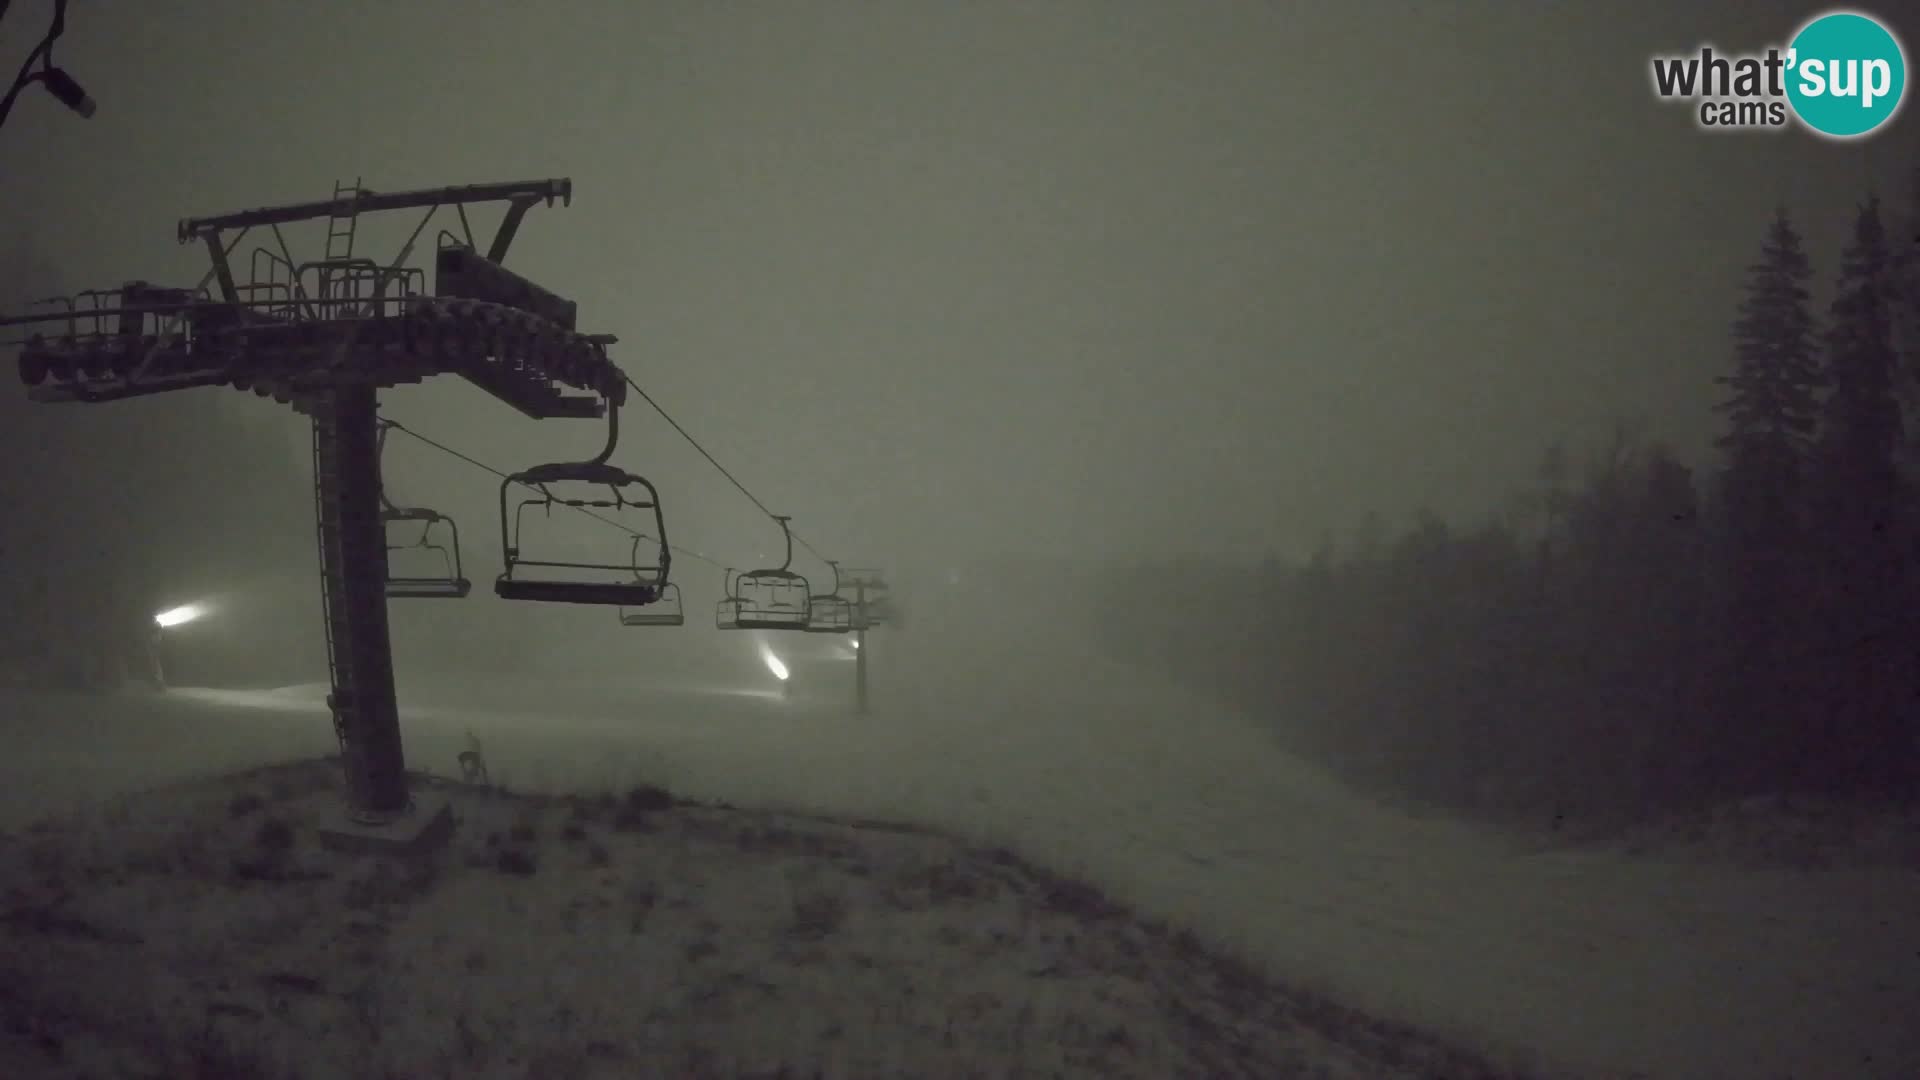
(647, 797)
(1080, 900)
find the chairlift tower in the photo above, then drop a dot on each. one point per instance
(871, 607)
(324, 337)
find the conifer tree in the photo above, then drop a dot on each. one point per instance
(1772, 412)
(1862, 429)
(1859, 506)
(1903, 244)
(1773, 405)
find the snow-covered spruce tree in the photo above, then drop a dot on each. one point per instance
(1772, 412)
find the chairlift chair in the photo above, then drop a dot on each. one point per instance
(726, 614)
(451, 585)
(611, 584)
(775, 599)
(830, 615)
(769, 599)
(829, 612)
(664, 611)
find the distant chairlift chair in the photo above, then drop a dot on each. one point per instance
(666, 611)
(829, 612)
(770, 599)
(726, 614)
(451, 585)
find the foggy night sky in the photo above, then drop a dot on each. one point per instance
(1100, 278)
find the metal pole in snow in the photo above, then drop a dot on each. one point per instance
(860, 650)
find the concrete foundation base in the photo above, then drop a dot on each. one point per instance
(427, 827)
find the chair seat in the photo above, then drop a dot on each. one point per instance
(616, 594)
(428, 588)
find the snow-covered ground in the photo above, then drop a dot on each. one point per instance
(198, 931)
(1600, 964)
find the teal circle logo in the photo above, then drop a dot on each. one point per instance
(1847, 75)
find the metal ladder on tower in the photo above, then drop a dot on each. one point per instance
(327, 531)
(336, 280)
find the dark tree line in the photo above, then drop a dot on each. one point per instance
(1642, 635)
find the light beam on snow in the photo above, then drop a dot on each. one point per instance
(773, 663)
(185, 613)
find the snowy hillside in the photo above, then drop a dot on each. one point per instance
(198, 932)
(1598, 964)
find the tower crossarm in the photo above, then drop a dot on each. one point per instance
(525, 192)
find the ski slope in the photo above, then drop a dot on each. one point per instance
(1590, 964)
